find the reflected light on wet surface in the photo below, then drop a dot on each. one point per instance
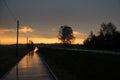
(28, 60)
(30, 67)
(36, 49)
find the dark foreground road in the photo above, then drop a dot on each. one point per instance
(30, 67)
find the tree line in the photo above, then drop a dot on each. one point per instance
(108, 37)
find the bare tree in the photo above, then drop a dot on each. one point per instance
(66, 35)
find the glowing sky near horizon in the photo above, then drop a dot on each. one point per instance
(40, 20)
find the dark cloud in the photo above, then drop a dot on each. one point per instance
(44, 15)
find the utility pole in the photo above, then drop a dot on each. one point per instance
(27, 40)
(17, 38)
(17, 76)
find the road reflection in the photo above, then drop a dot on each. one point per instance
(30, 59)
(29, 68)
(31, 53)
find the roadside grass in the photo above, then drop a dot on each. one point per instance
(8, 57)
(81, 65)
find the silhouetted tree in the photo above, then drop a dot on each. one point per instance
(66, 35)
(31, 45)
(107, 29)
(90, 40)
(108, 38)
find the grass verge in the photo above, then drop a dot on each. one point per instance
(81, 65)
(8, 57)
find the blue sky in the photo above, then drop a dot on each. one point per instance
(46, 16)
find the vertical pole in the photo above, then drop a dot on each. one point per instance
(17, 49)
(27, 40)
(17, 38)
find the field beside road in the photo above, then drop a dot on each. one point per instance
(81, 65)
(8, 57)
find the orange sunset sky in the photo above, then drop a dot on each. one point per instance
(40, 20)
(8, 36)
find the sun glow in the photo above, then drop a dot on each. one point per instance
(8, 36)
(23, 40)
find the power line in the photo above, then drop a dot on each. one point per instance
(9, 10)
(13, 16)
